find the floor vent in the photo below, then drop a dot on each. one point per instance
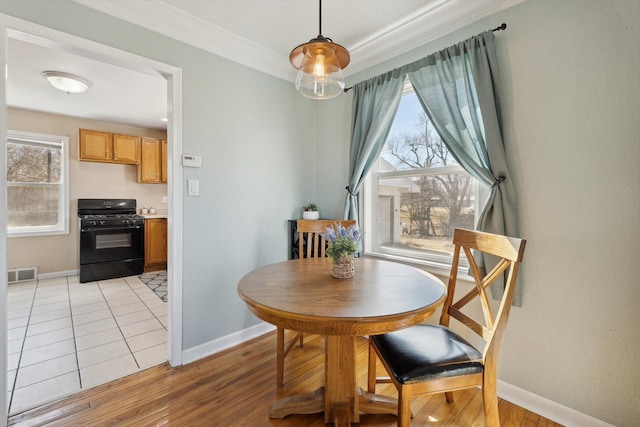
(22, 274)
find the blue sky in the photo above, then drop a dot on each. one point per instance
(407, 115)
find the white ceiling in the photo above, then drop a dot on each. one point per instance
(256, 33)
(117, 95)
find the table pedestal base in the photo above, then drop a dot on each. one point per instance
(313, 403)
(340, 399)
(307, 403)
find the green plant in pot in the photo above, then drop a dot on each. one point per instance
(310, 211)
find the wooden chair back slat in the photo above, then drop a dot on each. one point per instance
(509, 248)
(476, 327)
(309, 230)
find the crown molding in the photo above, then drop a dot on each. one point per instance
(425, 25)
(176, 24)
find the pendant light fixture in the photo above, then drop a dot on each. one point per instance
(319, 63)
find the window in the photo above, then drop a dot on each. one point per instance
(417, 193)
(37, 185)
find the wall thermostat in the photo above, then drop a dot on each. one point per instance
(191, 161)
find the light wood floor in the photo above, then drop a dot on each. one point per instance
(237, 388)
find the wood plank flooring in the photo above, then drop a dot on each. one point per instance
(237, 387)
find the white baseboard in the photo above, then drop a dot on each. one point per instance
(223, 343)
(56, 274)
(540, 405)
(547, 408)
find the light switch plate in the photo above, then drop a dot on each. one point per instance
(193, 187)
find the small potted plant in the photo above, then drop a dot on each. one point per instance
(310, 211)
(343, 244)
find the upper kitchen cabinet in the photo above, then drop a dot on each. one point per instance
(153, 161)
(126, 149)
(163, 151)
(98, 146)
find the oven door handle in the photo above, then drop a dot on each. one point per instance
(103, 228)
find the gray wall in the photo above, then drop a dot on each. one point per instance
(571, 97)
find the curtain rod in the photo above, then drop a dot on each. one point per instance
(501, 27)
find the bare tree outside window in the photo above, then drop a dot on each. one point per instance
(35, 184)
(434, 194)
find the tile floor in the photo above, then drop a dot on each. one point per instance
(66, 336)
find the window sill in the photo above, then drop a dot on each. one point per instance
(439, 269)
(37, 233)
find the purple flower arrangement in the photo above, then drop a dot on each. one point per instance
(342, 241)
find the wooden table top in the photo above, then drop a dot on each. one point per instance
(302, 295)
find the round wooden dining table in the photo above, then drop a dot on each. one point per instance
(301, 295)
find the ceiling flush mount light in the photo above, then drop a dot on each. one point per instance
(319, 63)
(67, 82)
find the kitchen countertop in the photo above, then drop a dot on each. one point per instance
(154, 216)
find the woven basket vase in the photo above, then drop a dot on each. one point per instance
(343, 268)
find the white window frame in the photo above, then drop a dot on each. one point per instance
(63, 201)
(369, 212)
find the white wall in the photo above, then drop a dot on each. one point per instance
(59, 253)
(570, 98)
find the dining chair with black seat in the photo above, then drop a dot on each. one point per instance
(311, 244)
(427, 359)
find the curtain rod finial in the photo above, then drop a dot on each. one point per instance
(501, 27)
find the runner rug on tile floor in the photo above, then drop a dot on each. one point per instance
(157, 282)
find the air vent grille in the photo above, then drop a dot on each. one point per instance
(17, 275)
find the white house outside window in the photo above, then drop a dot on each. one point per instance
(37, 184)
(417, 194)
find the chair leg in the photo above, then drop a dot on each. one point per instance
(404, 407)
(449, 396)
(279, 355)
(371, 375)
(490, 403)
(301, 339)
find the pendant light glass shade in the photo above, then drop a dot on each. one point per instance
(319, 63)
(320, 68)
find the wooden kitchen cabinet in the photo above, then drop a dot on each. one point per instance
(126, 149)
(98, 146)
(155, 243)
(152, 168)
(163, 160)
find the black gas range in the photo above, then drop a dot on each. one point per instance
(111, 239)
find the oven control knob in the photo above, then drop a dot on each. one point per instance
(102, 222)
(93, 223)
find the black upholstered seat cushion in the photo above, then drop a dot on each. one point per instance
(427, 352)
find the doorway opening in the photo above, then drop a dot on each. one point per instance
(51, 284)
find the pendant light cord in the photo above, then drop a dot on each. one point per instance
(320, 17)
